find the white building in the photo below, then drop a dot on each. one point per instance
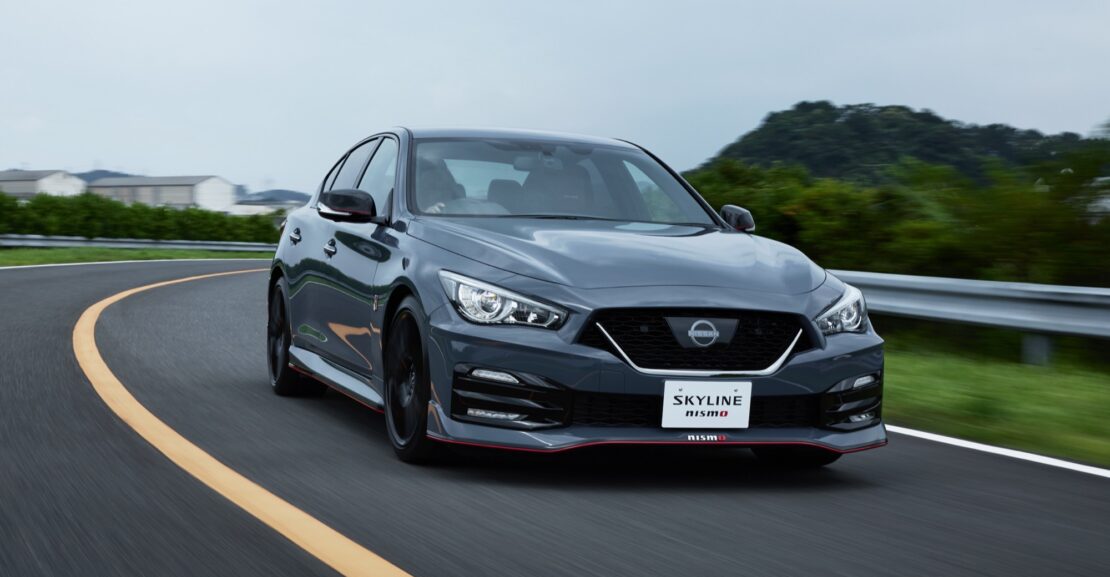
(207, 192)
(247, 208)
(269, 202)
(28, 183)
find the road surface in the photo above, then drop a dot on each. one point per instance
(82, 494)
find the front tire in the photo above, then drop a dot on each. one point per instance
(284, 380)
(795, 457)
(408, 385)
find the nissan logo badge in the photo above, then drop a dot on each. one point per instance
(703, 333)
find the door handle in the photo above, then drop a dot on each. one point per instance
(295, 236)
(329, 249)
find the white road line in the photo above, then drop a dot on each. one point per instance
(125, 262)
(1022, 455)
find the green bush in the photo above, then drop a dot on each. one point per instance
(1032, 223)
(92, 216)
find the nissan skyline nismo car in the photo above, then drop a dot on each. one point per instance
(543, 292)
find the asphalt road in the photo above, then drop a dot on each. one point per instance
(82, 494)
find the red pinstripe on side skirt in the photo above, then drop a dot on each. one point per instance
(378, 410)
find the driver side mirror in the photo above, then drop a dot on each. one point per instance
(348, 205)
(738, 218)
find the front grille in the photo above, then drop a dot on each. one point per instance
(616, 410)
(620, 410)
(785, 411)
(644, 335)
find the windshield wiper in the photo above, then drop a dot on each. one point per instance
(697, 224)
(566, 217)
(606, 219)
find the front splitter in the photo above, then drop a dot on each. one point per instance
(444, 429)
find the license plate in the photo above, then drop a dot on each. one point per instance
(706, 404)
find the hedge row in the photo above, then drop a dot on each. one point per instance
(92, 216)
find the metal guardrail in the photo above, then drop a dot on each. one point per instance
(1050, 309)
(1035, 309)
(35, 240)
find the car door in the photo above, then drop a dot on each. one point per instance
(355, 251)
(315, 273)
(302, 264)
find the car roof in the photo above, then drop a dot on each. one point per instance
(515, 134)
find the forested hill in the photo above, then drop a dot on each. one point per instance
(891, 189)
(860, 142)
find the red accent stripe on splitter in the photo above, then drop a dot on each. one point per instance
(628, 442)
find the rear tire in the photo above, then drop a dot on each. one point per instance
(408, 385)
(795, 457)
(283, 379)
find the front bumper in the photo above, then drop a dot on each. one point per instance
(578, 370)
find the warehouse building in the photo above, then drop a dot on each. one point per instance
(28, 183)
(207, 192)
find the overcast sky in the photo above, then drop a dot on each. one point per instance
(269, 96)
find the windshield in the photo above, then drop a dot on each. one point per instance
(511, 178)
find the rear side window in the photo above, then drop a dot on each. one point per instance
(330, 178)
(352, 167)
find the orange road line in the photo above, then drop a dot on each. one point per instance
(305, 531)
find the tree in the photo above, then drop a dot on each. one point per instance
(860, 142)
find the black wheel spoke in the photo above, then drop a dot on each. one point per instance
(277, 337)
(405, 398)
(283, 379)
(412, 414)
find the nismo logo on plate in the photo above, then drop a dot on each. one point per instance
(706, 438)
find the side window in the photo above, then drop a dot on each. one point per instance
(352, 168)
(330, 178)
(380, 174)
(659, 205)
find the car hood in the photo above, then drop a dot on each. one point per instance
(602, 254)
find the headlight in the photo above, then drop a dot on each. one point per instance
(486, 304)
(846, 315)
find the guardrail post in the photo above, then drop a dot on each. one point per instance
(1036, 349)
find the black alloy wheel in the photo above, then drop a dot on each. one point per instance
(407, 386)
(284, 380)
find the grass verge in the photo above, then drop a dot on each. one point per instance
(1060, 411)
(25, 256)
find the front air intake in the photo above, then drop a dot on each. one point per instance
(487, 397)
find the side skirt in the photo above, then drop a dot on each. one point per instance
(319, 368)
